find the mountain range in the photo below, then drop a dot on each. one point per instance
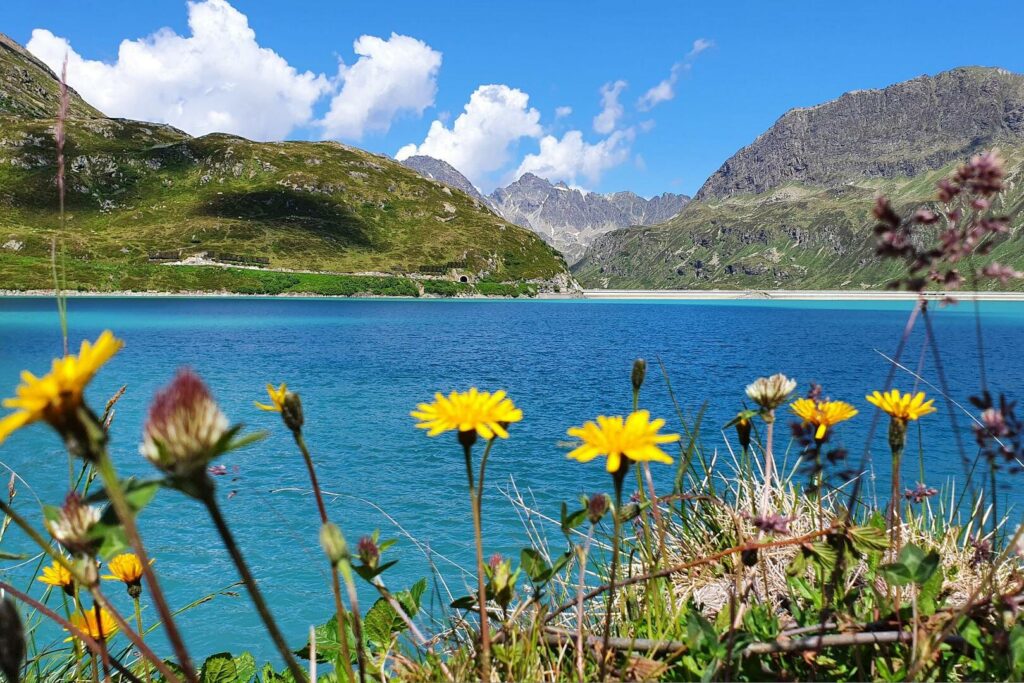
(567, 218)
(793, 208)
(142, 195)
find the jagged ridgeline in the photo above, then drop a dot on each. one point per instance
(793, 209)
(142, 194)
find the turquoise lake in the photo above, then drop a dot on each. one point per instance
(362, 365)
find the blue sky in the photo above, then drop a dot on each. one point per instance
(754, 61)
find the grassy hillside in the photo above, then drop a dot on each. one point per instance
(796, 236)
(137, 190)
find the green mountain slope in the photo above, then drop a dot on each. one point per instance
(793, 209)
(140, 195)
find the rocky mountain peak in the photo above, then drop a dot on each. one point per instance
(901, 130)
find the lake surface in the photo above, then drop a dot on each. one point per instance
(362, 365)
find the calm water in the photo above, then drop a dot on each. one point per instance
(362, 365)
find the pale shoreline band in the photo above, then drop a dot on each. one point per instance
(588, 294)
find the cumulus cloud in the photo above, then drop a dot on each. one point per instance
(571, 158)
(611, 108)
(391, 76)
(666, 89)
(562, 112)
(481, 138)
(217, 79)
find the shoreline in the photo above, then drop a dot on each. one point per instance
(623, 295)
(787, 295)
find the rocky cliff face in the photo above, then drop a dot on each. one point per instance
(793, 209)
(443, 172)
(570, 219)
(902, 130)
(567, 219)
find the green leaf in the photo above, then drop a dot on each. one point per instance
(467, 602)
(571, 521)
(912, 565)
(868, 539)
(328, 642)
(382, 621)
(137, 492)
(245, 667)
(219, 668)
(534, 564)
(369, 573)
(927, 598)
(1017, 650)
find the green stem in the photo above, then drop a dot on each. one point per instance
(344, 659)
(138, 625)
(102, 640)
(474, 500)
(357, 626)
(581, 673)
(207, 498)
(617, 533)
(98, 597)
(112, 485)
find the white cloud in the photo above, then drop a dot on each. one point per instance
(611, 108)
(666, 89)
(562, 112)
(571, 157)
(699, 46)
(217, 79)
(390, 76)
(480, 139)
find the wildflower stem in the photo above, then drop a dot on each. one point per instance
(357, 626)
(616, 533)
(138, 625)
(104, 653)
(579, 604)
(206, 496)
(769, 461)
(474, 499)
(112, 485)
(96, 594)
(417, 635)
(80, 637)
(344, 655)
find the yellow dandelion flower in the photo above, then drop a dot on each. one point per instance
(476, 411)
(125, 567)
(822, 414)
(87, 623)
(58, 576)
(57, 394)
(277, 397)
(635, 437)
(902, 406)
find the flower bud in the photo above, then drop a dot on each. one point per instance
(291, 412)
(333, 542)
(185, 427)
(369, 553)
(770, 392)
(12, 641)
(88, 570)
(467, 438)
(597, 506)
(743, 427)
(73, 524)
(639, 373)
(897, 435)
